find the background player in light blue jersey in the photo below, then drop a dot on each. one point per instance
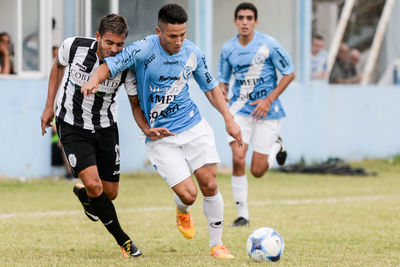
(163, 64)
(252, 58)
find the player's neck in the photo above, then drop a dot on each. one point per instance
(246, 39)
(99, 55)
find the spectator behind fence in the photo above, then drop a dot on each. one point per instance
(6, 55)
(344, 70)
(353, 60)
(341, 69)
(319, 58)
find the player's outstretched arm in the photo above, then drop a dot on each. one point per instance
(99, 76)
(151, 133)
(56, 75)
(217, 100)
(263, 105)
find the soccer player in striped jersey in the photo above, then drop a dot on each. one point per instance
(87, 126)
(253, 57)
(163, 64)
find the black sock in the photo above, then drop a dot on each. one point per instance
(105, 210)
(82, 195)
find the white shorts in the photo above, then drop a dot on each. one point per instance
(176, 157)
(260, 134)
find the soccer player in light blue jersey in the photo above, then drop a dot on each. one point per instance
(184, 142)
(252, 58)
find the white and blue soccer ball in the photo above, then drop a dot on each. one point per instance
(265, 244)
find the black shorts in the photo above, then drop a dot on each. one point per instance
(85, 148)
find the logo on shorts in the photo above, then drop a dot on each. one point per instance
(72, 160)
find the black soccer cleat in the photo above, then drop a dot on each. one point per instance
(85, 203)
(240, 222)
(130, 250)
(282, 154)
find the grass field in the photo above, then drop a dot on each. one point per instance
(325, 221)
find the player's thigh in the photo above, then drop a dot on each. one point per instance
(78, 147)
(107, 154)
(199, 146)
(168, 160)
(266, 133)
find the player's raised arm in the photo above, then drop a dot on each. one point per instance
(99, 76)
(56, 75)
(217, 100)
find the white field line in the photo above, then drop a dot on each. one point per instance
(263, 203)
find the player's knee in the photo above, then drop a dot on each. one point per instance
(94, 188)
(257, 172)
(112, 195)
(210, 189)
(189, 197)
(238, 161)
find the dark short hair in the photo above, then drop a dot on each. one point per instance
(246, 5)
(172, 14)
(4, 34)
(318, 37)
(113, 23)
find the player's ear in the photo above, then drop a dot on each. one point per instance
(98, 36)
(158, 31)
(256, 22)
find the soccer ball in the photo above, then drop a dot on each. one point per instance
(265, 244)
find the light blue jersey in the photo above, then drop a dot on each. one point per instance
(162, 80)
(254, 68)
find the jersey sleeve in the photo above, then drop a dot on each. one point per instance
(202, 75)
(63, 51)
(281, 59)
(224, 68)
(125, 59)
(130, 83)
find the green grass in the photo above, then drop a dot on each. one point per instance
(337, 224)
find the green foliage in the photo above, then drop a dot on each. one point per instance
(325, 220)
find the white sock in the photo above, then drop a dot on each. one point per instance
(240, 189)
(182, 207)
(272, 154)
(213, 208)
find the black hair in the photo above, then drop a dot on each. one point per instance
(318, 37)
(4, 34)
(113, 23)
(172, 14)
(246, 5)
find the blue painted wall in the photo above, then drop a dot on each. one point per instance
(350, 122)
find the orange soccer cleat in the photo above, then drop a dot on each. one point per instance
(221, 252)
(185, 223)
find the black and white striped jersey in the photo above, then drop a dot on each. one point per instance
(98, 110)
